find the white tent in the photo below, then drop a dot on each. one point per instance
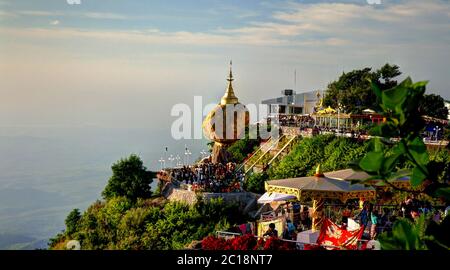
(269, 197)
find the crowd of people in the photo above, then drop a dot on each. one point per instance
(306, 123)
(302, 121)
(210, 177)
(374, 218)
(380, 218)
(356, 130)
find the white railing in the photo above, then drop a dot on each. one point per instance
(270, 148)
(282, 149)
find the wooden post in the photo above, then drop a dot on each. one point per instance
(317, 215)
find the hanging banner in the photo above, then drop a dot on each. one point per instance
(333, 235)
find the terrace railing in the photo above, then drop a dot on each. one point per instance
(273, 144)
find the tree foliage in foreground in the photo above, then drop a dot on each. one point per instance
(400, 108)
(422, 234)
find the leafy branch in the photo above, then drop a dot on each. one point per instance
(402, 121)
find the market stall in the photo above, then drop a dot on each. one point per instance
(318, 188)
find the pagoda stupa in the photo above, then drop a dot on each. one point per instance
(225, 129)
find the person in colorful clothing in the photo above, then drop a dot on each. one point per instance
(374, 218)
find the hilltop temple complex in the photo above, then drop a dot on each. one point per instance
(290, 200)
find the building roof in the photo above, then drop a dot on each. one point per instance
(297, 99)
(314, 183)
(320, 186)
(348, 174)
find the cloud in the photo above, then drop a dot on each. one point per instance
(350, 25)
(392, 23)
(40, 13)
(90, 15)
(296, 24)
(319, 40)
(6, 14)
(302, 25)
(55, 22)
(108, 16)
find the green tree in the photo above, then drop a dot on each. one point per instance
(130, 179)
(332, 152)
(133, 225)
(387, 73)
(242, 148)
(255, 182)
(434, 106)
(73, 221)
(352, 90)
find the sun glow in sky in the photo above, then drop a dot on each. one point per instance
(126, 63)
(84, 85)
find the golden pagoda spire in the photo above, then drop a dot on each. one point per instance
(229, 97)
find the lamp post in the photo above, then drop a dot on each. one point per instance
(178, 158)
(162, 161)
(171, 159)
(203, 153)
(187, 153)
(437, 132)
(338, 122)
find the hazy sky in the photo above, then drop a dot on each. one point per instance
(125, 63)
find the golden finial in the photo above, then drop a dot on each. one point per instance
(230, 76)
(319, 100)
(229, 97)
(318, 172)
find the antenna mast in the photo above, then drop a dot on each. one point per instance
(295, 79)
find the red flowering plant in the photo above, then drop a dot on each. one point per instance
(259, 244)
(246, 242)
(313, 247)
(274, 243)
(214, 243)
